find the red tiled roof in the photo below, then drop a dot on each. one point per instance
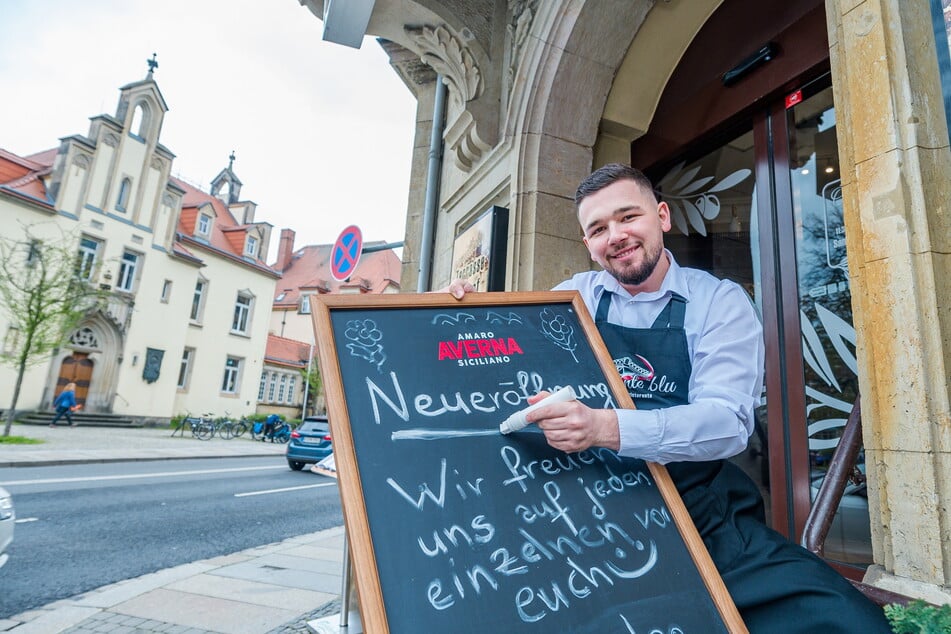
(227, 235)
(46, 157)
(23, 176)
(282, 351)
(309, 269)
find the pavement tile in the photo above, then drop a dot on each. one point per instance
(321, 552)
(206, 613)
(125, 590)
(288, 577)
(279, 561)
(56, 620)
(247, 591)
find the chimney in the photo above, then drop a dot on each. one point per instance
(285, 249)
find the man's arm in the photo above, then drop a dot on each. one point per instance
(725, 385)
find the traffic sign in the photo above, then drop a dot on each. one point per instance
(346, 253)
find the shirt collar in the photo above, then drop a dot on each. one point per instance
(674, 282)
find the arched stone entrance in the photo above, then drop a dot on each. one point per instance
(76, 368)
(91, 358)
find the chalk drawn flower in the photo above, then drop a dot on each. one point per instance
(557, 329)
(365, 339)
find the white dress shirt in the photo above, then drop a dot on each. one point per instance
(725, 344)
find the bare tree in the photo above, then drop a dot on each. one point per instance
(43, 298)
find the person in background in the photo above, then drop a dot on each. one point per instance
(270, 423)
(65, 405)
(692, 353)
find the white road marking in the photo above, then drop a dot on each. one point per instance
(133, 476)
(26, 519)
(307, 486)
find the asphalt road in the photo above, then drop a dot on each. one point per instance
(80, 527)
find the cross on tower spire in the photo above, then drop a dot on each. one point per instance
(153, 64)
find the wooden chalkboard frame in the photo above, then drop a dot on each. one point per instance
(372, 608)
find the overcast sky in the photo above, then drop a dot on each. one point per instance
(323, 133)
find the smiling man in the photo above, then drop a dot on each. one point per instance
(690, 349)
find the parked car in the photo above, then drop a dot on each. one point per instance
(7, 518)
(310, 442)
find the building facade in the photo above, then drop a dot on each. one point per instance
(306, 275)
(184, 326)
(803, 148)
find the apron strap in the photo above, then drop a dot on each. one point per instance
(603, 305)
(673, 314)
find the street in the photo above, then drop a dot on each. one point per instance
(83, 526)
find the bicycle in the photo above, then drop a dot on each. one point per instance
(228, 428)
(201, 427)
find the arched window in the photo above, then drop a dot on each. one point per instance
(140, 120)
(125, 188)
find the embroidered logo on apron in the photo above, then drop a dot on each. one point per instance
(631, 369)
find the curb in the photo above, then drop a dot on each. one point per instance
(72, 461)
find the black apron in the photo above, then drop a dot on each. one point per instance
(777, 586)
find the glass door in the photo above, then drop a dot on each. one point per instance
(830, 369)
(764, 209)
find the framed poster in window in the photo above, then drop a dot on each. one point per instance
(478, 253)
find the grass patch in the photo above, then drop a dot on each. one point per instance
(19, 440)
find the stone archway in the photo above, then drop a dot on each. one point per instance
(97, 345)
(565, 75)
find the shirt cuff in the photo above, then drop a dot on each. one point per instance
(640, 433)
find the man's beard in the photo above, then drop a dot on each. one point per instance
(637, 274)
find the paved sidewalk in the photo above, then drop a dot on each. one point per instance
(71, 445)
(272, 589)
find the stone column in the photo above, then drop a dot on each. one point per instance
(894, 149)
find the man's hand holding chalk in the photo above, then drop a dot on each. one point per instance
(569, 424)
(517, 420)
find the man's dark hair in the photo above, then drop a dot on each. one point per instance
(608, 175)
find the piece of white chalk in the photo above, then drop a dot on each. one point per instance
(517, 420)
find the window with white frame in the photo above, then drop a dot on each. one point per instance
(88, 258)
(232, 377)
(262, 386)
(128, 268)
(251, 246)
(204, 224)
(166, 291)
(279, 388)
(125, 190)
(185, 370)
(305, 304)
(242, 314)
(198, 300)
(272, 387)
(291, 387)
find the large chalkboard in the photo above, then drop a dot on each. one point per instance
(454, 527)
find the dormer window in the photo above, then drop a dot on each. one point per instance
(251, 246)
(125, 188)
(204, 225)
